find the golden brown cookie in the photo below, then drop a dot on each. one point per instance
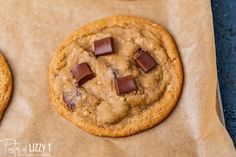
(116, 76)
(5, 85)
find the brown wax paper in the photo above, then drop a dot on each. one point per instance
(30, 31)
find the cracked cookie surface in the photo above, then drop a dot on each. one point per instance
(5, 85)
(95, 106)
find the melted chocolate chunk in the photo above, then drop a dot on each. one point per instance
(144, 60)
(70, 104)
(82, 73)
(71, 98)
(125, 84)
(104, 46)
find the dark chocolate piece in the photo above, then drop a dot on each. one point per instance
(125, 84)
(70, 104)
(82, 73)
(104, 46)
(144, 60)
(71, 98)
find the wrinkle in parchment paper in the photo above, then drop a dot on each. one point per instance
(31, 31)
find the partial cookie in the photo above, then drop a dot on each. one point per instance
(5, 85)
(117, 76)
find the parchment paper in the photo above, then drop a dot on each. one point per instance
(30, 31)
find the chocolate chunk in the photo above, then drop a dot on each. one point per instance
(144, 60)
(104, 46)
(82, 73)
(70, 104)
(71, 98)
(125, 84)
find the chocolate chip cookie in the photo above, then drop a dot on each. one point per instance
(116, 76)
(5, 85)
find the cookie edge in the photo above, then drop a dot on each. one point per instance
(7, 72)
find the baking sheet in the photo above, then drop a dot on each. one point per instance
(31, 31)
